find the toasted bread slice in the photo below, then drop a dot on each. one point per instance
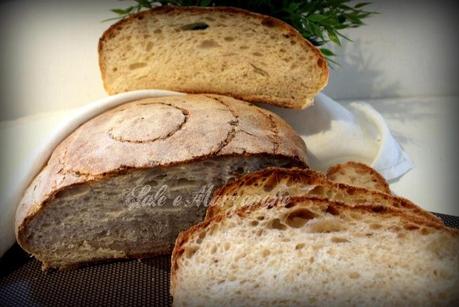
(358, 174)
(268, 184)
(216, 50)
(312, 252)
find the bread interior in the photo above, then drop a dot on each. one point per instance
(137, 213)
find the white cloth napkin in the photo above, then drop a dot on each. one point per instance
(332, 133)
(335, 133)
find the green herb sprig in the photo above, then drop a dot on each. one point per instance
(319, 21)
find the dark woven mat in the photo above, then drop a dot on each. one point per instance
(122, 283)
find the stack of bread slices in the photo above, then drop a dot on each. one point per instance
(295, 237)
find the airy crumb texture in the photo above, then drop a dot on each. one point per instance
(212, 50)
(275, 183)
(358, 174)
(317, 253)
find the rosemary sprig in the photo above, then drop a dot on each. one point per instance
(319, 21)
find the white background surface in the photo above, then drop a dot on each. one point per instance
(49, 62)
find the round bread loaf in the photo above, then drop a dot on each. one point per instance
(90, 201)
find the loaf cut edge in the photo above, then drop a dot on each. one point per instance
(235, 52)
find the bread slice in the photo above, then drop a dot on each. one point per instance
(312, 252)
(272, 183)
(358, 174)
(212, 50)
(127, 181)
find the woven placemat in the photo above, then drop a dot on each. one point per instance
(121, 283)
